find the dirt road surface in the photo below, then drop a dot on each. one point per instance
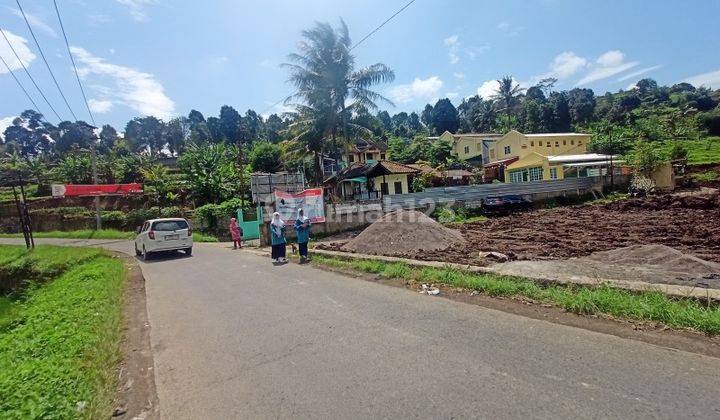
(235, 337)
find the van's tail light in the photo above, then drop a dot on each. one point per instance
(151, 234)
(189, 231)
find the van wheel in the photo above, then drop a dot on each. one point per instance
(188, 251)
(137, 252)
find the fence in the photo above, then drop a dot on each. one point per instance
(472, 195)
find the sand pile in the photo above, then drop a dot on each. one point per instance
(404, 232)
(659, 256)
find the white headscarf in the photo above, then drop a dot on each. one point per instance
(277, 224)
(302, 216)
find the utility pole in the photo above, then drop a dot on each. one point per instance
(93, 160)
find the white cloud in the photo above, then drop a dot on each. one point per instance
(99, 106)
(133, 88)
(607, 65)
(20, 45)
(459, 75)
(418, 89)
(710, 79)
(36, 22)
(639, 72)
(566, 64)
(508, 29)
(489, 88)
(137, 8)
(452, 43)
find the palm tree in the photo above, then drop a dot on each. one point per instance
(507, 93)
(323, 72)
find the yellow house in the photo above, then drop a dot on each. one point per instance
(471, 147)
(518, 144)
(538, 167)
(363, 181)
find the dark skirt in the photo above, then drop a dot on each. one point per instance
(303, 249)
(278, 251)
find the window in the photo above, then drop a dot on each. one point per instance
(368, 156)
(548, 144)
(466, 149)
(384, 188)
(398, 187)
(532, 143)
(516, 176)
(507, 150)
(351, 158)
(524, 146)
(170, 225)
(557, 144)
(553, 173)
(579, 142)
(540, 143)
(382, 156)
(564, 142)
(572, 142)
(535, 174)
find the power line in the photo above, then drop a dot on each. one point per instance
(20, 84)
(382, 24)
(357, 44)
(67, 44)
(28, 74)
(57, 85)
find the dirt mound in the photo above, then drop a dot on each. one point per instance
(668, 201)
(660, 256)
(404, 233)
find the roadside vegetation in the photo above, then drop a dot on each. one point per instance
(602, 300)
(98, 234)
(60, 318)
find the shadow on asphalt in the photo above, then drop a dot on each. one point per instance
(163, 256)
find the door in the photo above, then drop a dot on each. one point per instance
(398, 187)
(249, 221)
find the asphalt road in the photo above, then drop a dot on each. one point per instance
(236, 337)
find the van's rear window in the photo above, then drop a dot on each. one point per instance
(170, 225)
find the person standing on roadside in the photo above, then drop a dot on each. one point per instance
(302, 227)
(277, 238)
(235, 233)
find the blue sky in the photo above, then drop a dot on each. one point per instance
(165, 57)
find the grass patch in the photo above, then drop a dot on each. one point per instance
(98, 234)
(706, 150)
(610, 197)
(707, 176)
(604, 299)
(59, 350)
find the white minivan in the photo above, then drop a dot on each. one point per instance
(163, 235)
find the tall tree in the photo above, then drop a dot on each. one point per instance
(146, 133)
(445, 117)
(177, 133)
(324, 74)
(426, 116)
(273, 127)
(108, 137)
(199, 131)
(582, 105)
(29, 135)
(508, 94)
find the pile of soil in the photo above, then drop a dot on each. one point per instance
(669, 201)
(689, 224)
(647, 263)
(404, 233)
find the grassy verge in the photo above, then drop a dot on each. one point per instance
(606, 300)
(59, 345)
(706, 150)
(98, 234)
(707, 176)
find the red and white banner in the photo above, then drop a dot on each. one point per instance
(311, 201)
(75, 190)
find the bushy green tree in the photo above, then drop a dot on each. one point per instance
(265, 157)
(210, 172)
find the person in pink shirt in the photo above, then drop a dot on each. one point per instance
(236, 233)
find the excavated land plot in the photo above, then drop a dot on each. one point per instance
(690, 224)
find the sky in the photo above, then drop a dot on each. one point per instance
(166, 57)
